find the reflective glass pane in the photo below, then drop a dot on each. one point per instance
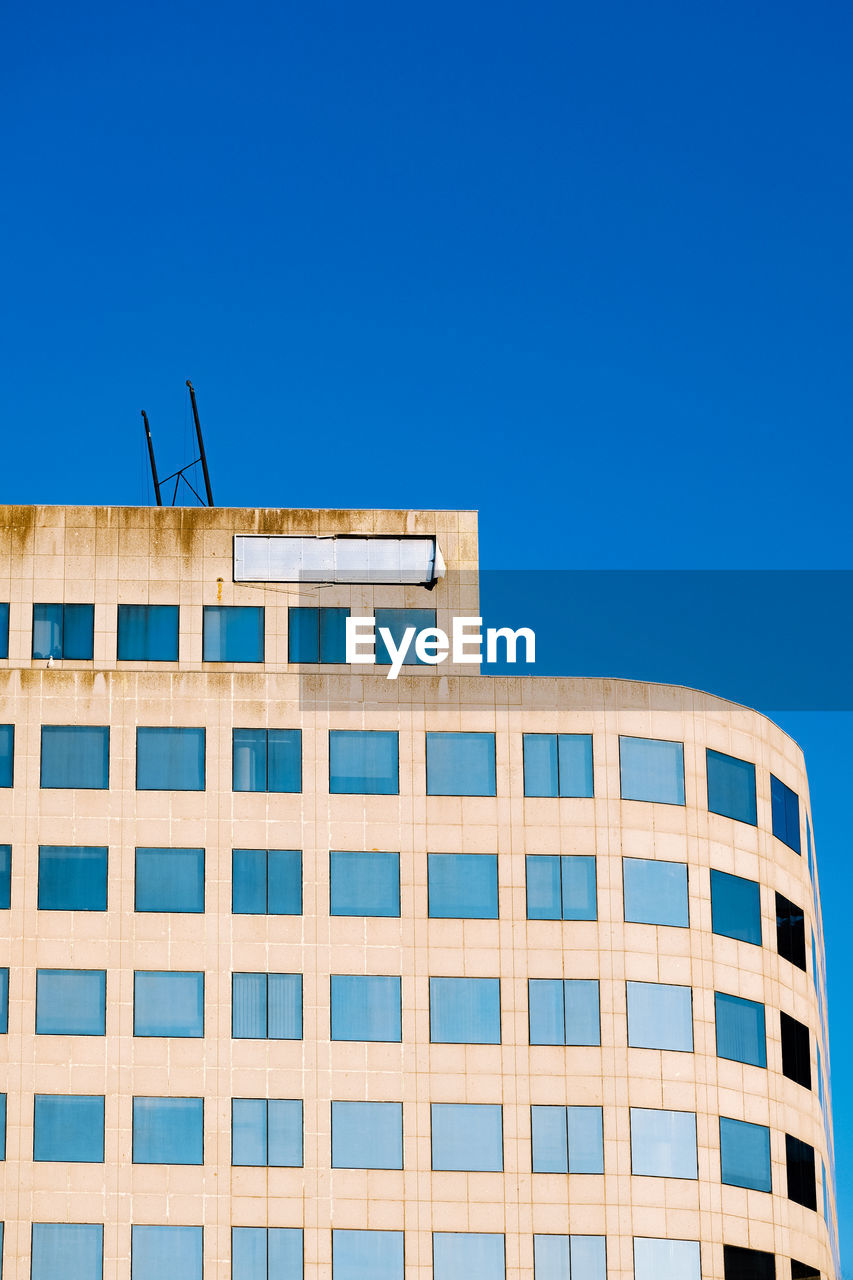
(550, 1141)
(168, 1131)
(71, 1002)
(303, 635)
(578, 887)
(736, 907)
(467, 1136)
(72, 879)
(740, 1030)
(365, 1007)
(148, 633)
(547, 1011)
(249, 760)
(249, 882)
(552, 1259)
(4, 1001)
(284, 1006)
(364, 884)
(586, 1139)
(583, 1021)
(166, 1251)
(72, 1250)
(249, 1006)
(655, 892)
(78, 632)
(68, 1128)
(652, 769)
(458, 1255)
(745, 1154)
(168, 1004)
(5, 876)
(460, 764)
(574, 751)
(170, 759)
(666, 1259)
(233, 633)
(731, 787)
(47, 630)
(266, 1253)
(284, 892)
(660, 1016)
(785, 812)
(4, 630)
(266, 882)
(396, 622)
(544, 887)
(7, 754)
(284, 1133)
(2, 1127)
(465, 1010)
(589, 1257)
(284, 760)
(75, 756)
(367, 1135)
(363, 762)
(463, 886)
(663, 1143)
(367, 1255)
(170, 880)
(249, 1131)
(541, 765)
(333, 644)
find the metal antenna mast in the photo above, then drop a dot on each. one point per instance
(180, 475)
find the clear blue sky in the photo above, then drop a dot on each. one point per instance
(586, 268)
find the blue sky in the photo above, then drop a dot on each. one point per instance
(585, 268)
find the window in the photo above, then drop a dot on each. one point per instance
(170, 759)
(316, 635)
(791, 932)
(72, 878)
(267, 760)
(660, 1016)
(166, 1251)
(796, 1054)
(170, 880)
(233, 633)
(747, 1264)
(266, 882)
(569, 1258)
(266, 1253)
(367, 1135)
(463, 886)
(266, 1132)
(365, 1007)
(460, 764)
(266, 1006)
(567, 1139)
(736, 907)
(561, 887)
(71, 1002)
(64, 631)
(148, 633)
(663, 1143)
(367, 1255)
(364, 884)
(651, 769)
(168, 1004)
(785, 812)
(666, 1259)
(2, 1126)
(558, 764)
(467, 1136)
(363, 762)
(75, 756)
(5, 876)
(745, 1154)
(74, 1251)
(168, 1131)
(4, 630)
(7, 754)
(397, 621)
(740, 1030)
(68, 1128)
(465, 1255)
(802, 1271)
(564, 1011)
(465, 1010)
(731, 787)
(4, 1002)
(655, 892)
(802, 1184)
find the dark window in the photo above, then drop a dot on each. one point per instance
(5, 876)
(266, 1132)
(168, 1131)
(731, 787)
(796, 1055)
(266, 1006)
(460, 764)
(561, 887)
(75, 756)
(148, 633)
(364, 884)
(4, 630)
(168, 1003)
(558, 764)
(7, 754)
(266, 1253)
(741, 1035)
(791, 932)
(72, 878)
(748, 1264)
(68, 1128)
(170, 759)
(736, 907)
(266, 882)
(363, 762)
(785, 809)
(463, 886)
(802, 1185)
(233, 633)
(316, 635)
(397, 622)
(170, 880)
(267, 760)
(64, 631)
(802, 1271)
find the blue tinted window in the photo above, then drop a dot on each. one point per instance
(397, 622)
(2, 1126)
(731, 787)
(74, 1251)
(561, 887)
(71, 1002)
(166, 1251)
(467, 1136)
(363, 762)
(365, 1008)
(567, 1139)
(170, 759)
(555, 1256)
(785, 810)
(791, 932)
(168, 1131)
(170, 880)
(266, 1253)
(367, 1255)
(75, 756)
(316, 635)
(736, 907)
(72, 878)
(564, 1011)
(465, 1010)
(652, 769)
(663, 1143)
(266, 882)
(5, 876)
(148, 633)
(233, 633)
(168, 1004)
(655, 892)
(266, 1006)
(463, 886)
(7, 754)
(4, 1002)
(64, 631)
(266, 1132)
(4, 630)
(364, 884)
(558, 764)
(660, 1016)
(460, 764)
(740, 1030)
(745, 1154)
(464, 1255)
(367, 1135)
(68, 1128)
(656, 1259)
(267, 760)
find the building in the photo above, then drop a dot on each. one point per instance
(447, 976)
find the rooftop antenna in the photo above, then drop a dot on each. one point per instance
(180, 475)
